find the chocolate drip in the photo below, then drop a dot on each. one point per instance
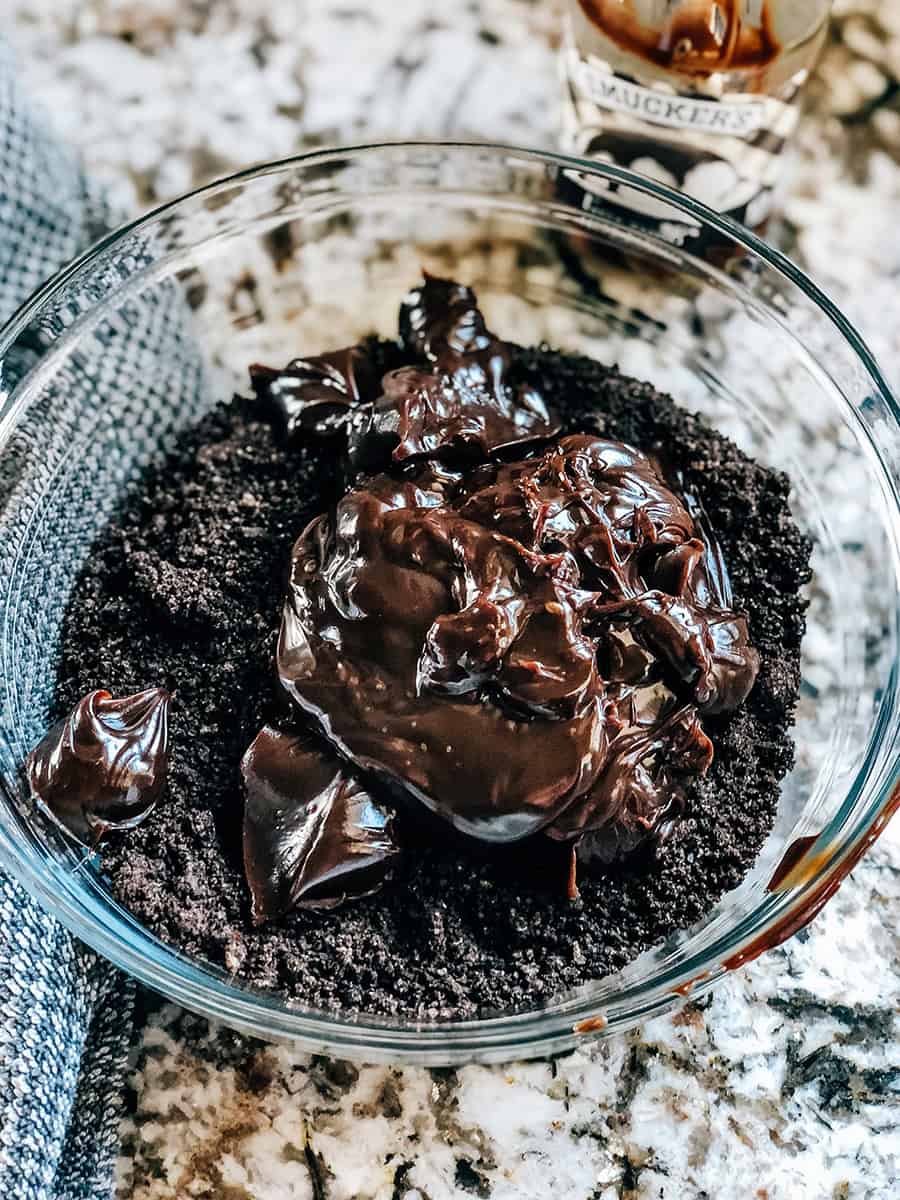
(313, 836)
(104, 766)
(799, 868)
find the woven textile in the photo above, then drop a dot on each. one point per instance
(65, 1014)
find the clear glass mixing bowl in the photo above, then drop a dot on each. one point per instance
(313, 252)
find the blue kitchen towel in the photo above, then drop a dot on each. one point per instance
(65, 1014)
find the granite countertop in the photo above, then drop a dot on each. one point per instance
(785, 1083)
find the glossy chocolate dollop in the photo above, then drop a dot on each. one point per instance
(313, 836)
(104, 766)
(459, 403)
(519, 646)
(316, 395)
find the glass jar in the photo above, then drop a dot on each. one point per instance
(701, 95)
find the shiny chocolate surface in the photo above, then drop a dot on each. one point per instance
(103, 767)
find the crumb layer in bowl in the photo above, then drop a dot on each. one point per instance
(184, 590)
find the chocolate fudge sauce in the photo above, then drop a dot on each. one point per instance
(458, 404)
(522, 647)
(694, 39)
(315, 395)
(104, 766)
(313, 836)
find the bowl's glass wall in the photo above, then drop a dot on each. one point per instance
(99, 376)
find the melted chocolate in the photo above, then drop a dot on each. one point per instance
(697, 38)
(522, 647)
(104, 766)
(313, 836)
(316, 395)
(498, 643)
(460, 403)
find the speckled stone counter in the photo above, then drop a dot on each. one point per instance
(784, 1084)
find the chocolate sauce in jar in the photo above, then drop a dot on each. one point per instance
(524, 647)
(692, 38)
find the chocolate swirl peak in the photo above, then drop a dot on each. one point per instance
(104, 766)
(316, 395)
(462, 403)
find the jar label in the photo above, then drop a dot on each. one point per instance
(737, 116)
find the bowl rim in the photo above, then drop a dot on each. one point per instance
(774, 258)
(135, 949)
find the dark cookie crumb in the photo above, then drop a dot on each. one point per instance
(184, 591)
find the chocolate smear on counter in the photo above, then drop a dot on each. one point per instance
(103, 767)
(313, 835)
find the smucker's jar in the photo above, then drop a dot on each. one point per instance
(701, 95)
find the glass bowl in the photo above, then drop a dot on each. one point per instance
(109, 360)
